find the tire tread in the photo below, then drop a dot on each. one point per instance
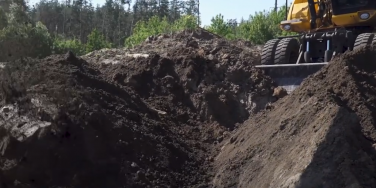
(268, 52)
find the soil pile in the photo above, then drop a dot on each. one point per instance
(63, 124)
(321, 135)
(210, 43)
(125, 119)
(192, 74)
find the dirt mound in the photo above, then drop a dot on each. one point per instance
(120, 119)
(322, 135)
(213, 81)
(206, 43)
(63, 124)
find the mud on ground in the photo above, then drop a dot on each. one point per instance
(111, 120)
(322, 135)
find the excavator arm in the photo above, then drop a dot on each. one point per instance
(312, 11)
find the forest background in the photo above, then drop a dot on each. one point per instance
(51, 27)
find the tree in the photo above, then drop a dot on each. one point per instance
(163, 8)
(259, 28)
(219, 26)
(191, 7)
(79, 26)
(263, 26)
(3, 19)
(20, 37)
(156, 25)
(96, 41)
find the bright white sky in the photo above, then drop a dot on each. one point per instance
(230, 9)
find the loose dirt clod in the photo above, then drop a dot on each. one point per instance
(126, 118)
(280, 92)
(321, 135)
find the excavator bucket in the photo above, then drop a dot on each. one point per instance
(290, 76)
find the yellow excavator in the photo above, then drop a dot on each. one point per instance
(325, 29)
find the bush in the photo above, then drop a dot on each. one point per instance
(19, 37)
(62, 45)
(220, 27)
(259, 28)
(156, 25)
(96, 41)
(24, 40)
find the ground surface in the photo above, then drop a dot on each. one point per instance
(322, 135)
(185, 110)
(115, 120)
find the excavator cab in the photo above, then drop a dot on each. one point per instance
(326, 28)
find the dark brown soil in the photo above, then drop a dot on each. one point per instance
(113, 119)
(322, 135)
(101, 135)
(143, 122)
(211, 82)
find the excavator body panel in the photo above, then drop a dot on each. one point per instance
(298, 17)
(353, 19)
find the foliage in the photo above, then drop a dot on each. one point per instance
(219, 26)
(185, 22)
(16, 15)
(144, 29)
(156, 26)
(62, 45)
(114, 19)
(96, 41)
(24, 40)
(3, 19)
(264, 26)
(80, 27)
(259, 28)
(20, 38)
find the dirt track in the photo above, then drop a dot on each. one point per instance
(120, 121)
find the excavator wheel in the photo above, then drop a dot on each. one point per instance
(287, 51)
(363, 40)
(268, 52)
(374, 40)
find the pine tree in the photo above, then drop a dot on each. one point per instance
(163, 8)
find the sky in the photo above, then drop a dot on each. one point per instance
(230, 9)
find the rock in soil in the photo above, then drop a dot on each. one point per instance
(280, 92)
(321, 135)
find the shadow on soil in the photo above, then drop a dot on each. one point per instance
(347, 155)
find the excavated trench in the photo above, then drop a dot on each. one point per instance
(146, 117)
(188, 110)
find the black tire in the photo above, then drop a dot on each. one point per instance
(373, 41)
(363, 39)
(287, 51)
(268, 52)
